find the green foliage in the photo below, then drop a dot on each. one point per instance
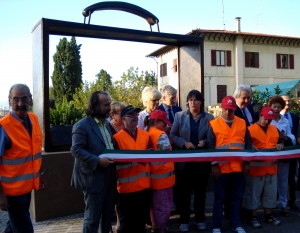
(261, 98)
(67, 73)
(65, 113)
(129, 88)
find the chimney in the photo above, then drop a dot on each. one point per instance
(238, 20)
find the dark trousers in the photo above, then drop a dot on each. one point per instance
(134, 209)
(98, 207)
(18, 214)
(192, 180)
(292, 181)
(235, 183)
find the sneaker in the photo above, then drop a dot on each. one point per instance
(184, 227)
(273, 220)
(239, 230)
(255, 223)
(216, 230)
(201, 225)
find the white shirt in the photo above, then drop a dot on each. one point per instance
(283, 124)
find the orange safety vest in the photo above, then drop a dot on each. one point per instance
(161, 173)
(262, 140)
(230, 138)
(133, 176)
(20, 165)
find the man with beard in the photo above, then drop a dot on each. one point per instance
(93, 173)
(20, 159)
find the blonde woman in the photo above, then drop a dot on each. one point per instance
(115, 116)
(150, 98)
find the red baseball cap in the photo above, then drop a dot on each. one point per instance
(267, 112)
(160, 115)
(228, 102)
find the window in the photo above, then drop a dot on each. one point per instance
(285, 61)
(220, 58)
(163, 70)
(252, 59)
(221, 92)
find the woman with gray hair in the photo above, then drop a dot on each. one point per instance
(150, 98)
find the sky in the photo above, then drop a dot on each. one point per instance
(18, 17)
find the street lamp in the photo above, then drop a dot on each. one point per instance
(156, 64)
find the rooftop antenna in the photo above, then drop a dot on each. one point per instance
(223, 15)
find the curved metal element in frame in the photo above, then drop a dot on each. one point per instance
(121, 6)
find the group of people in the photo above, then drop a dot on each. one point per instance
(145, 192)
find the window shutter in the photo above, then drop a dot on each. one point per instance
(228, 58)
(213, 57)
(256, 57)
(221, 92)
(161, 70)
(247, 62)
(291, 58)
(278, 61)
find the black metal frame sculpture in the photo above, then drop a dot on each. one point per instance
(121, 6)
(46, 27)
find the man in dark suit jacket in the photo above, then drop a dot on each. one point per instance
(93, 173)
(169, 95)
(169, 102)
(244, 110)
(294, 124)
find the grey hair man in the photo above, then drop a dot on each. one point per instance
(169, 95)
(243, 95)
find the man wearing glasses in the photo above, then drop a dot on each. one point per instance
(133, 177)
(20, 159)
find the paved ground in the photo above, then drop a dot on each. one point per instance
(73, 224)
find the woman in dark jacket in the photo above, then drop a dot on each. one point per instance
(189, 132)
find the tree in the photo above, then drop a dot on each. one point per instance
(129, 88)
(104, 81)
(67, 74)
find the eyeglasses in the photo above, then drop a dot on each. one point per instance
(155, 100)
(16, 100)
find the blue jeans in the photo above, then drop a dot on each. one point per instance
(18, 214)
(234, 184)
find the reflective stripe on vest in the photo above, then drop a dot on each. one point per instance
(263, 140)
(19, 178)
(20, 165)
(262, 164)
(20, 160)
(229, 138)
(124, 166)
(158, 163)
(161, 173)
(133, 178)
(231, 145)
(161, 176)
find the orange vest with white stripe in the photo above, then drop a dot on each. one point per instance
(230, 138)
(132, 177)
(263, 140)
(20, 165)
(161, 173)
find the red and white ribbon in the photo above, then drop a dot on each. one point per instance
(199, 155)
